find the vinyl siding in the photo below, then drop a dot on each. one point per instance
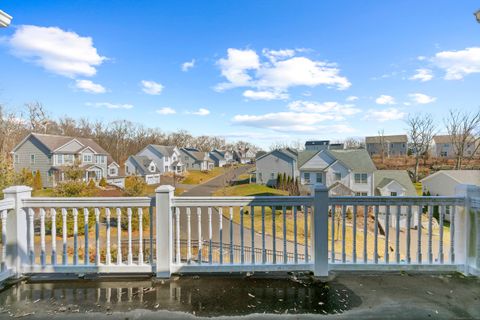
(43, 161)
(275, 163)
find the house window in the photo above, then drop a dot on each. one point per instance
(443, 153)
(272, 175)
(32, 159)
(337, 176)
(186, 158)
(361, 178)
(152, 168)
(319, 178)
(306, 176)
(16, 159)
(113, 171)
(127, 170)
(101, 159)
(68, 158)
(393, 194)
(260, 176)
(87, 158)
(361, 194)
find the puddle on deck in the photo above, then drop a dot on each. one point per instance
(201, 296)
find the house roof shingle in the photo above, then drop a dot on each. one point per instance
(384, 177)
(461, 176)
(401, 138)
(165, 150)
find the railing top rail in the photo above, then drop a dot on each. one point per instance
(7, 204)
(241, 201)
(91, 202)
(397, 200)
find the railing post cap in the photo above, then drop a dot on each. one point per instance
(320, 187)
(17, 189)
(165, 189)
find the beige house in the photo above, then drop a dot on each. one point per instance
(391, 146)
(443, 147)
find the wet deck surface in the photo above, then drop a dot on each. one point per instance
(398, 295)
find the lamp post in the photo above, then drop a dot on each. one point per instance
(5, 19)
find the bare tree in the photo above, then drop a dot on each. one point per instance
(383, 144)
(421, 129)
(464, 131)
(354, 143)
(39, 121)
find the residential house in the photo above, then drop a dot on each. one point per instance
(52, 155)
(244, 156)
(344, 172)
(273, 163)
(166, 158)
(144, 167)
(444, 182)
(196, 160)
(221, 157)
(443, 147)
(391, 146)
(317, 145)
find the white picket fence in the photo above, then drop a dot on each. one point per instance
(167, 234)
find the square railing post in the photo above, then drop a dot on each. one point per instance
(319, 222)
(17, 234)
(164, 233)
(467, 230)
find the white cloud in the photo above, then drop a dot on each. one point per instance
(292, 122)
(200, 112)
(166, 111)
(265, 95)
(351, 98)
(61, 52)
(422, 75)
(458, 64)
(421, 98)
(109, 105)
(151, 87)
(384, 99)
(334, 108)
(384, 115)
(89, 86)
(281, 70)
(188, 65)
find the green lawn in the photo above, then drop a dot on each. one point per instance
(249, 190)
(197, 176)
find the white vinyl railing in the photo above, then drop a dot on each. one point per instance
(168, 234)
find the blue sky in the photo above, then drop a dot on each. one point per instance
(261, 71)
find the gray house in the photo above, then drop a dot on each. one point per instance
(144, 167)
(273, 163)
(442, 146)
(166, 158)
(196, 160)
(391, 146)
(52, 155)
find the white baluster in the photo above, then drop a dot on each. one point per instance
(150, 212)
(31, 238)
(387, 234)
(285, 254)
(252, 230)
(430, 218)
(354, 252)
(53, 233)
(129, 252)
(177, 222)
(264, 256)
(119, 236)
(87, 251)
(274, 236)
(375, 239)
(440, 245)
(295, 235)
(397, 234)
(344, 231)
(231, 235)
(305, 231)
(97, 236)
(64, 237)
(189, 236)
(220, 230)
(365, 233)
(75, 236)
(4, 239)
(409, 217)
(452, 233)
(42, 237)
(200, 241)
(108, 255)
(140, 236)
(210, 235)
(242, 241)
(419, 234)
(332, 244)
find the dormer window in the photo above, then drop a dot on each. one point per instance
(87, 158)
(151, 167)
